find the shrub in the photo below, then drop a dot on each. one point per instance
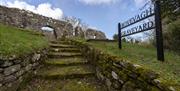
(172, 36)
(115, 37)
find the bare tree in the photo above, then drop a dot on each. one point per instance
(76, 22)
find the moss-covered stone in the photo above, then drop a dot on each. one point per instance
(65, 50)
(122, 76)
(60, 42)
(141, 84)
(64, 54)
(153, 88)
(148, 75)
(65, 72)
(62, 46)
(67, 61)
(129, 86)
(89, 84)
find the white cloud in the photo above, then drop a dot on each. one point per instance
(97, 2)
(44, 9)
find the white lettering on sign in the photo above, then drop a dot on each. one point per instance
(136, 18)
(139, 28)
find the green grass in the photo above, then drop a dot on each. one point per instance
(146, 56)
(16, 42)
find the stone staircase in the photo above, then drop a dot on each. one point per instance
(65, 70)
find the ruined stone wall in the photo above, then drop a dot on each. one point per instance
(28, 20)
(94, 34)
(79, 32)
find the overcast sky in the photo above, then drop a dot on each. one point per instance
(101, 14)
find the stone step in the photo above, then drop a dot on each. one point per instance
(64, 50)
(63, 55)
(62, 46)
(67, 61)
(59, 42)
(86, 84)
(55, 72)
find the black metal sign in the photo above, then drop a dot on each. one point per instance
(151, 24)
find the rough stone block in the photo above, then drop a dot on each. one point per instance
(9, 79)
(116, 84)
(114, 75)
(171, 88)
(133, 75)
(1, 85)
(149, 75)
(12, 69)
(99, 75)
(28, 67)
(121, 81)
(117, 66)
(1, 70)
(6, 64)
(1, 77)
(17, 61)
(108, 83)
(129, 86)
(122, 64)
(20, 73)
(36, 57)
(156, 82)
(34, 65)
(25, 62)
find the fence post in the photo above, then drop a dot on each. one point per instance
(159, 36)
(119, 36)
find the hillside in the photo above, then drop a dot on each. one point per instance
(15, 42)
(146, 57)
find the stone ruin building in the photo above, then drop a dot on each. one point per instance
(31, 21)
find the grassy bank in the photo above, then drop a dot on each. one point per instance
(16, 42)
(145, 56)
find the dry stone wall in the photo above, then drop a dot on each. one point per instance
(119, 74)
(28, 20)
(14, 71)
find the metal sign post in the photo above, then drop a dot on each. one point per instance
(119, 36)
(159, 37)
(157, 25)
